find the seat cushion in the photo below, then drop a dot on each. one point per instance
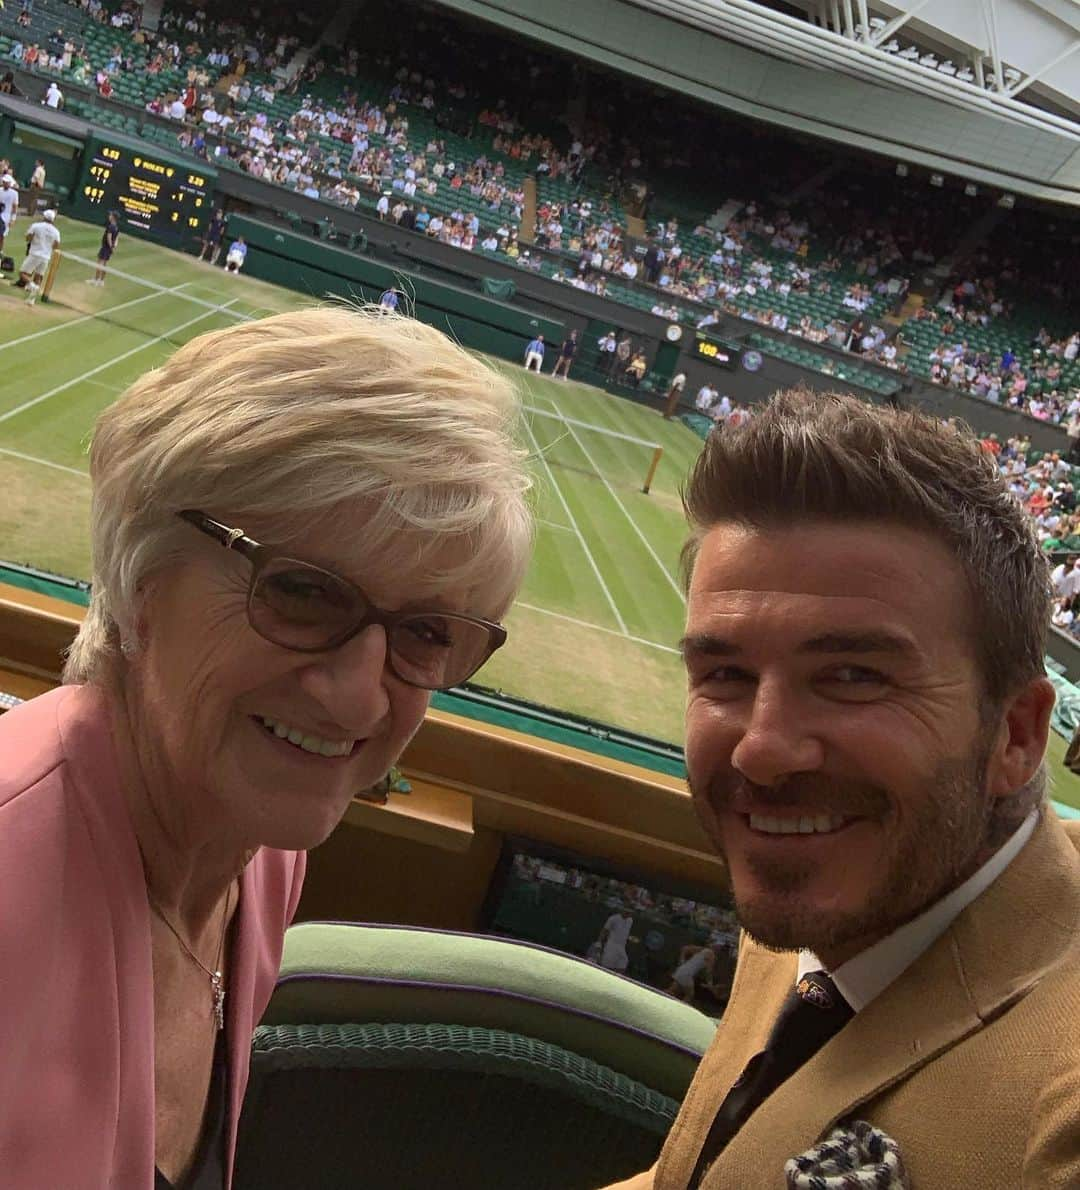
(344, 973)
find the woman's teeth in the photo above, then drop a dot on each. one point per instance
(309, 743)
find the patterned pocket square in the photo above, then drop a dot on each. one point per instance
(856, 1156)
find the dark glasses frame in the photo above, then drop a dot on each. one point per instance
(260, 556)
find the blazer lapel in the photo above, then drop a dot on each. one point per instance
(992, 954)
(923, 1013)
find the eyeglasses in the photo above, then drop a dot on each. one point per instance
(307, 609)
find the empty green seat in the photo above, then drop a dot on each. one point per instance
(377, 1035)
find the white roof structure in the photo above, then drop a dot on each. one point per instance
(985, 90)
(978, 50)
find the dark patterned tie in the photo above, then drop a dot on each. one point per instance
(813, 1012)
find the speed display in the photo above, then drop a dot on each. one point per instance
(155, 194)
(716, 353)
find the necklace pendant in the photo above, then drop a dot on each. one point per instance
(219, 999)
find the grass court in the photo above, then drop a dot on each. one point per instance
(595, 629)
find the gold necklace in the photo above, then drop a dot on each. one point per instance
(217, 980)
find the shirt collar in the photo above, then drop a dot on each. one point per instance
(869, 973)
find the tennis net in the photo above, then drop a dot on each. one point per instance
(610, 456)
(171, 314)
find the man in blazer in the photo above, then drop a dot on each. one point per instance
(866, 725)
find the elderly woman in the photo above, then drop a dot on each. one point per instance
(301, 527)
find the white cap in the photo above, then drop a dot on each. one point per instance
(50, 215)
(9, 179)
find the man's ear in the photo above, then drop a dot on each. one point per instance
(1021, 741)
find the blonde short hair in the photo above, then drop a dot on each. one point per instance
(285, 422)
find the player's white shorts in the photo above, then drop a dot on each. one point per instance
(615, 958)
(685, 978)
(35, 264)
(534, 357)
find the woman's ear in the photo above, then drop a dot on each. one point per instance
(132, 641)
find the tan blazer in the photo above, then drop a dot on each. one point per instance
(970, 1060)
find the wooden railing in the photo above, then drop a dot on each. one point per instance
(427, 857)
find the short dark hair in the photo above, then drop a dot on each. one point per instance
(809, 457)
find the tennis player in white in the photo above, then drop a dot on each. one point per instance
(613, 939)
(41, 240)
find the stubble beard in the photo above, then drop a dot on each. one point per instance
(935, 853)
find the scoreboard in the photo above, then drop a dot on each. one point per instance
(714, 352)
(154, 194)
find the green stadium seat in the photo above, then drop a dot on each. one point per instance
(572, 1075)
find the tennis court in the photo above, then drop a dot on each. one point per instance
(601, 609)
(595, 629)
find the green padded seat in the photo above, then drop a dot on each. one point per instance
(334, 973)
(393, 1057)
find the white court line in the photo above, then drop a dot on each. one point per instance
(63, 326)
(598, 627)
(570, 517)
(570, 421)
(108, 364)
(113, 388)
(553, 525)
(615, 496)
(18, 454)
(148, 284)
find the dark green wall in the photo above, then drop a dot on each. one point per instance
(322, 270)
(22, 145)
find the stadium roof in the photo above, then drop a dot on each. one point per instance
(965, 50)
(986, 90)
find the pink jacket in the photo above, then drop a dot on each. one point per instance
(76, 995)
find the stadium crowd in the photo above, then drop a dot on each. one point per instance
(1006, 380)
(418, 130)
(1046, 485)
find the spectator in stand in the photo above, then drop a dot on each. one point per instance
(54, 97)
(606, 346)
(623, 352)
(198, 746)
(389, 299)
(635, 371)
(37, 185)
(1064, 614)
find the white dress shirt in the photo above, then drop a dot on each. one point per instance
(869, 973)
